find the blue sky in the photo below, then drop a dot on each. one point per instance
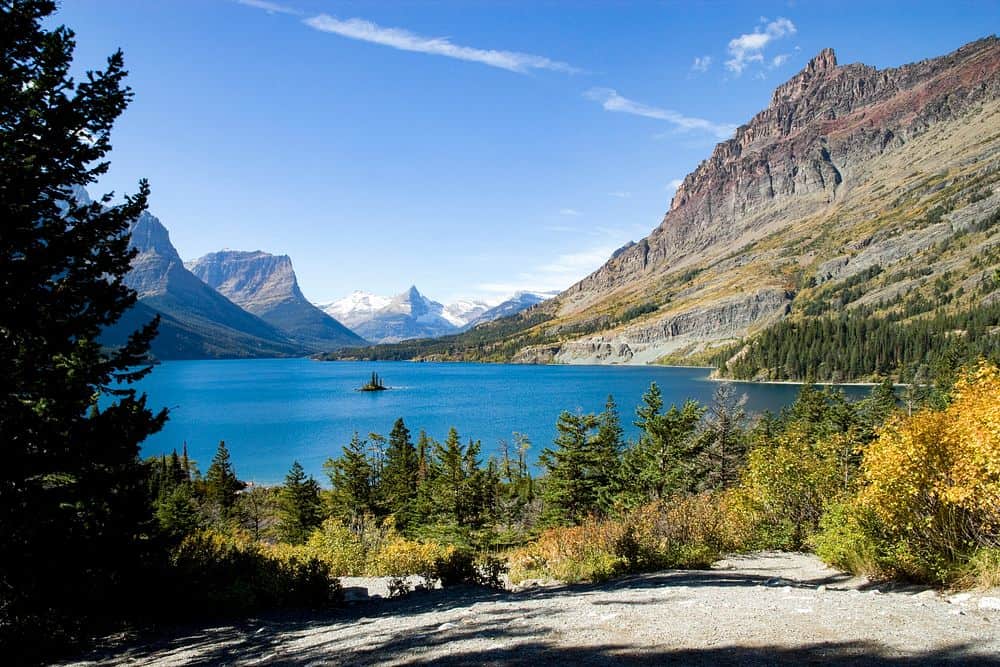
(470, 148)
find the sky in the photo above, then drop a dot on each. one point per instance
(470, 148)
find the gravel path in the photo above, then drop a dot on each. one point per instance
(761, 609)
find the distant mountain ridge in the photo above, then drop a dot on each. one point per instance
(266, 285)
(411, 315)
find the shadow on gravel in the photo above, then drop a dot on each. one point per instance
(495, 634)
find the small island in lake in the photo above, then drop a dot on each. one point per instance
(374, 384)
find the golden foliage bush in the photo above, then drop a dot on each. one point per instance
(375, 548)
(929, 503)
(685, 532)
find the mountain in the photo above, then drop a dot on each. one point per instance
(858, 193)
(515, 304)
(402, 317)
(356, 308)
(197, 321)
(406, 316)
(265, 285)
(463, 312)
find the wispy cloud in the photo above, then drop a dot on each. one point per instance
(749, 47)
(779, 60)
(569, 211)
(271, 7)
(701, 63)
(674, 184)
(404, 40)
(612, 101)
(558, 274)
(620, 194)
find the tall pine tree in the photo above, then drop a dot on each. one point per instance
(73, 509)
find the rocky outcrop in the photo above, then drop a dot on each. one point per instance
(719, 321)
(265, 285)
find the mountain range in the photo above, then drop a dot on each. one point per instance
(231, 304)
(857, 192)
(196, 321)
(412, 315)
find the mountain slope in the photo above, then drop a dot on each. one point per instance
(265, 285)
(855, 190)
(198, 322)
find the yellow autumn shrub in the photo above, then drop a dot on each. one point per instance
(684, 532)
(931, 481)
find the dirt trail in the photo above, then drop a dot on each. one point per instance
(761, 609)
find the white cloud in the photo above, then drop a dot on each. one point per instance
(611, 101)
(674, 184)
(748, 48)
(701, 63)
(270, 7)
(404, 40)
(620, 194)
(569, 211)
(779, 60)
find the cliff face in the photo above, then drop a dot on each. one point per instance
(840, 154)
(265, 285)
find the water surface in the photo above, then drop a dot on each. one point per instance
(271, 412)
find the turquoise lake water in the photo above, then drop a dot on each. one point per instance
(271, 412)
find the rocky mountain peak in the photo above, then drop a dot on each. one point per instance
(822, 65)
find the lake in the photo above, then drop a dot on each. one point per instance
(272, 412)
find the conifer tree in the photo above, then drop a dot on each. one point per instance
(301, 509)
(352, 479)
(663, 461)
(221, 482)
(73, 508)
(399, 477)
(568, 492)
(725, 446)
(450, 483)
(605, 459)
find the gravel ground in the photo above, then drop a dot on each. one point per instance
(760, 609)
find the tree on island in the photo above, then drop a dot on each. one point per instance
(73, 511)
(374, 384)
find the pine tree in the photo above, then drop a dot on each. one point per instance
(352, 479)
(605, 459)
(449, 480)
(73, 508)
(300, 507)
(663, 461)
(725, 445)
(399, 477)
(221, 482)
(568, 494)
